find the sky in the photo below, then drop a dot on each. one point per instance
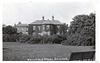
(29, 12)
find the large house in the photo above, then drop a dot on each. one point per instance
(41, 27)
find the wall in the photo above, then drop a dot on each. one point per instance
(44, 29)
(22, 29)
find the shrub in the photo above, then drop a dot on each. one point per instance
(24, 38)
(35, 39)
(9, 30)
(77, 40)
(54, 39)
(10, 37)
(65, 42)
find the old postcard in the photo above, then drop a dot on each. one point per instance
(49, 31)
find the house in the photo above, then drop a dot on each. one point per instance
(21, 28)
(48, 27)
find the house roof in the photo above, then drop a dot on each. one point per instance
(22, 25)
(46, 22)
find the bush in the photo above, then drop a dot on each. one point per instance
(10, 37)
(37, 39)
(54, 39)
(33, 39)
(65, 42)
(9, 30)
(77, 40)
(24, 38)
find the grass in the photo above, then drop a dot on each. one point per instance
(14, 51)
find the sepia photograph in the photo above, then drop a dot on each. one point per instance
(48, 31)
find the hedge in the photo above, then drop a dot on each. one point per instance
(11, 37)
(53, 39)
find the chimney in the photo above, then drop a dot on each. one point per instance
(52, 17)
(19, 23)
(42, 17)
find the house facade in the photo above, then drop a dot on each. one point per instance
(45, 27)
(21, 28)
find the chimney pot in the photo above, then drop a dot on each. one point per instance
(52, 17)
(42, 17)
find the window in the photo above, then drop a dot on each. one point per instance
(39, 27)
(26, 28)
(51, 27)
(47, 27)
(33, 27)
(43, 27)
(22, 29)
(58, 28)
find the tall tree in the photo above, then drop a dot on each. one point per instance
(82, 30)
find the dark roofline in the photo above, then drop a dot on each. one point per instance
(46, 22)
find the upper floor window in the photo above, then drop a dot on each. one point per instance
(39, 27)
(43, 27)
(58, 28)
(47, 27)
(33, 27)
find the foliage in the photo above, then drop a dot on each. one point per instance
(64, 28)
(10, 34)
(37, 39)
(54, 39)
(82, 30)
(9, 30)
(11, 37)
(24, 38)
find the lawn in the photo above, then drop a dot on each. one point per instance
(14, 51)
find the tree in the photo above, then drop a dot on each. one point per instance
(64, 28)
(82, 30)
(9, 30)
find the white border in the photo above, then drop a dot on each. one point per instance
(97, 4)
